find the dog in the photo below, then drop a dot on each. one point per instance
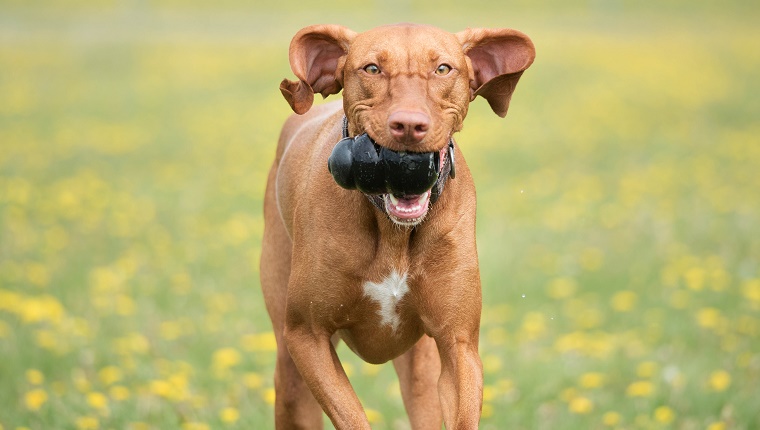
(392, 274)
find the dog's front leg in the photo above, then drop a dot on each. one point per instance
(319, 365)
(460, 385)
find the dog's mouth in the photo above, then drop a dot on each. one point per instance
(407, 210)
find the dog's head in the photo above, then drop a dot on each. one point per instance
(407, 86)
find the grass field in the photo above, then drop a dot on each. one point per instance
(619, 214)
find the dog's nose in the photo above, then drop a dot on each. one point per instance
(408, 127)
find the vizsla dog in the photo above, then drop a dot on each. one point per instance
(394, 275)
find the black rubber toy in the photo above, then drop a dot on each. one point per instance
(360, 164)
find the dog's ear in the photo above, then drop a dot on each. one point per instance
(497, 59)
(316, 58)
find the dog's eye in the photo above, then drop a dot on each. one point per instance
(443, 69)
(372, 69)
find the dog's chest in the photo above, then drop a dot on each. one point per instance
(387, 294)
(384, 322)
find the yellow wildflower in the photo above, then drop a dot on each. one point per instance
(561, 288)
(259, 342)
(110, 374)
(580, 405)
(34, 399)
(268, 395)
(252, 380)
(751, 291)
(695, 278)
(591, 380)
(709, 317)
(664, 415)
(624, 301)
(611, 418)
(371, 369)
(646, 369)
(373, 416)
(718, 425)
(491, 363)
(640, 389)
(35, 377)
(119, 392)
(229, 415)
(225, 358)
(489, 393)
(87, 423)
(719, 380)
(97, 400)
(487, 410)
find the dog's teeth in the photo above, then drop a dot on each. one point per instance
(394, 200)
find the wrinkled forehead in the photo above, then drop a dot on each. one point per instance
(405, 42)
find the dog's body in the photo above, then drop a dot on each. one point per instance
(393, 284)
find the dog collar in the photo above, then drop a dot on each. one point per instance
(448, 168)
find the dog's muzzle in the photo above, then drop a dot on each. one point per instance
(360, 163)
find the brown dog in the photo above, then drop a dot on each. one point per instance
(395, 277)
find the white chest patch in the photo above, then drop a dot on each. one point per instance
(387, 294)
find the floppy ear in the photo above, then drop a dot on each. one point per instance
(316, 58)
(498, 58)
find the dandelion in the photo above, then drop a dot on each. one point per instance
(624, 301)
(161, 388)
(695, 278)
(534, 325)
(268, 395)
(718, 425)
(87, 423)
(611, 418)
(264, 342)
(709, 317)
(497, 336)
(371, 369)
(229, 415)
(225, 358)
(664, 415)
(34, 399)
(373, 416)
(591, 380)
(646, 369)
(170, 330)
(35, 377)
(719, 380)
(568, 394)
(97, 400)
(109, 374)
(751, 291)
(119, 393)
(195, 426)
(487, 410)
(561, 288)
(580, 405)
(491, 363)
(489, 393)
(349, 369)
(591, 259)
(252, 380)
(640, 389)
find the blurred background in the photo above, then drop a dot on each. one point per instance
(619, 213)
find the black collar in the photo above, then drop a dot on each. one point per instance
(447, 169)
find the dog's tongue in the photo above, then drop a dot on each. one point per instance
(407, 207)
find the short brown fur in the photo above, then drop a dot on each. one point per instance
(322, 243)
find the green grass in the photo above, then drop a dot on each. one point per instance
(619, 215)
